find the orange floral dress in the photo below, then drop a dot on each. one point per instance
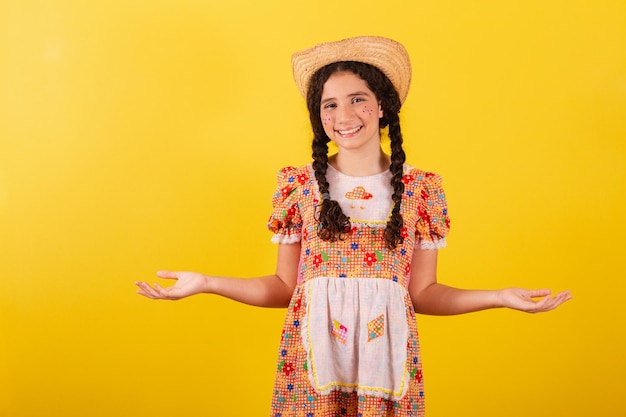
(349, 345)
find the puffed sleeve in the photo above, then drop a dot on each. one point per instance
(286, 221)
(433, 222)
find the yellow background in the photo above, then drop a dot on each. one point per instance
(146, 134)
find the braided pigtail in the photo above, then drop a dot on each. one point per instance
(393, 232)
(390, 103)
(332, 221)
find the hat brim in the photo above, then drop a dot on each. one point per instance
(386, 54)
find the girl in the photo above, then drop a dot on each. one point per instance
(358, 234)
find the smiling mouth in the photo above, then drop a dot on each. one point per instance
(349, 131)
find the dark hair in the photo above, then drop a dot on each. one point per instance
(333, 223)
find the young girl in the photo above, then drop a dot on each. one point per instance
(358, 234)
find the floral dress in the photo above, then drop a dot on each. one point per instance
(349, 344)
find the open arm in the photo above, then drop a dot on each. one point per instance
(431, 297)
(267, 291)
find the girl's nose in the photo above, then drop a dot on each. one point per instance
(344, 113)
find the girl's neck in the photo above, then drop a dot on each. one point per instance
(359, 165)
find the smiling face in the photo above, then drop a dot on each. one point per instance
(350, 113)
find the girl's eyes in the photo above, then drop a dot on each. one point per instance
(353, 101)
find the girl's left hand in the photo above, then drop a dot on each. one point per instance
(527, 300)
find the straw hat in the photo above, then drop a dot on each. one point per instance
(387, 55)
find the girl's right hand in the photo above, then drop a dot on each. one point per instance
(187, 283)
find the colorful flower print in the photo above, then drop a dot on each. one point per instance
(370, 259)
(302, 178)
(297, 305)
(286, 190)
(288, 368)
(419, 376)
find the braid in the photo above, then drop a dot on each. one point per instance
(333, 223)
(393, 232)
(390, 102)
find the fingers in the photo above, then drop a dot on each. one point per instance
(165, 293)
(167, 274)
(550, 303)
(535, 301)
(146, 290)
(562, 297)
(540, 293)
(156, 293)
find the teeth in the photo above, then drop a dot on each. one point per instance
(348, 132)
